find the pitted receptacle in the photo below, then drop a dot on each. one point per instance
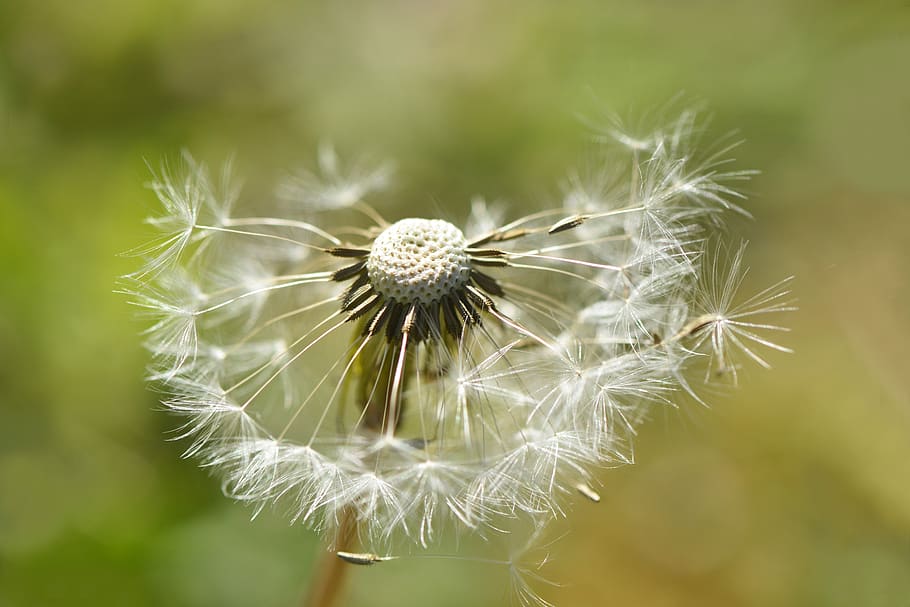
(419, 261)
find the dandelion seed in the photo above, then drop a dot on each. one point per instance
(726, 327)
(362, 558)
(586, 490)
(401, 377)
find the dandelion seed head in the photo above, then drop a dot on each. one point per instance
(414, 376)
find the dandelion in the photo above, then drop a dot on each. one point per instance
(384, 380)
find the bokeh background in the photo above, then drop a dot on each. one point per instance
(794, 490)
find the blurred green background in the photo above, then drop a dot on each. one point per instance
(795, 490)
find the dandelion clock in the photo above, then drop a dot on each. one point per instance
(388, 379)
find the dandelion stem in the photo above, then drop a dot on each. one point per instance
(327, 585)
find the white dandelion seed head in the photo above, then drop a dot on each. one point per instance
(415, 376)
